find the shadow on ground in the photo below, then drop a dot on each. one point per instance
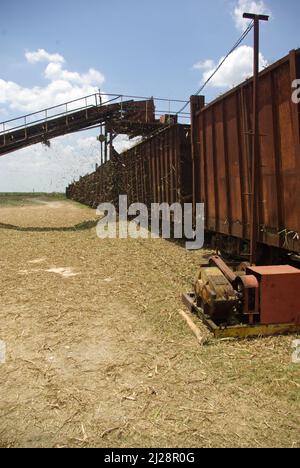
(78, 227)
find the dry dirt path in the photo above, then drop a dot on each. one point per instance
(97, 354)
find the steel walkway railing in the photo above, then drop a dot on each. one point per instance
(129, 116)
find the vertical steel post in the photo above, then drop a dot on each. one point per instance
(110, 145)
(197, 103)
(106, 145)
(101, 143)
(256, 138)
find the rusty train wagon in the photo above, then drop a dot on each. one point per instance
(159, 169)
(101, 186)
(222, 155)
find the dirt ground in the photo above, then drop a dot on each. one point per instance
(98, 354)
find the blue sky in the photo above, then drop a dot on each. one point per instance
(138, 47)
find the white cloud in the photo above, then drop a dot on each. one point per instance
(41, 55)
(237, 68)
(248, 6)
(42, 168)
(206, 65)
(63, 85)
(55, 72)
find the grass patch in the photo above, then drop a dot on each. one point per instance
(24, 199)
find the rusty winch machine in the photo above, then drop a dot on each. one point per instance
(239, 300)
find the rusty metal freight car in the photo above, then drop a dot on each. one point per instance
(221, 149)
(157, 170)
(101, 186)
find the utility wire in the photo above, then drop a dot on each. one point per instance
(240, 40)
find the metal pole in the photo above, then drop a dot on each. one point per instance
(101, 143)
(106, 145)
(110, 145)
(256, 139)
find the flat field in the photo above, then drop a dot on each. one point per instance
(97, 353)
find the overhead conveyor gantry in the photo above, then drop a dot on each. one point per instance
(119, 117)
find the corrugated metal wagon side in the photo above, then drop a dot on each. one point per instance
(159, 169)
(222, 148)
(101, 186)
